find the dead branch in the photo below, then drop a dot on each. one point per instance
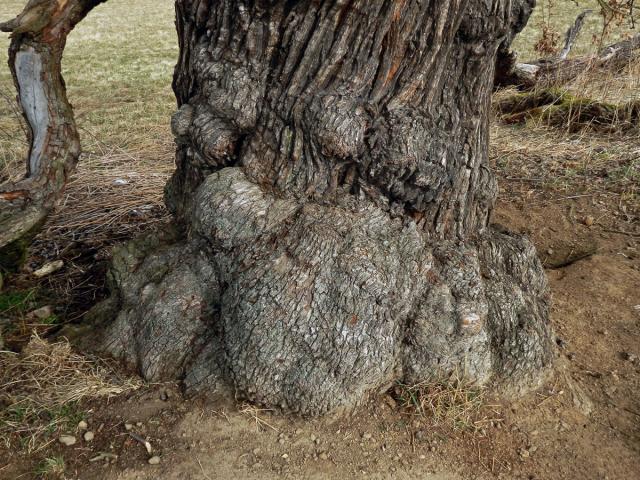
(546, 73)
(561, 109)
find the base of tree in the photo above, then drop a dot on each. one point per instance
(311, 307)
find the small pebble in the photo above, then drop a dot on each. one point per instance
(128, 426)
(42, 313)
(67, 440)
(588, 220)
(285, 456)
(155, 460)
(324, 456)
(88, 436)
(83, 425)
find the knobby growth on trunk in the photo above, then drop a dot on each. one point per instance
(39, 35)
(332, 201)
(333, 195)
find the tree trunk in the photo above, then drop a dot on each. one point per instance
(334, 197)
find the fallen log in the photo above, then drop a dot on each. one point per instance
(561, 109)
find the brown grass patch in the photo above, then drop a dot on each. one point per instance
(452, 402)
(41, 388)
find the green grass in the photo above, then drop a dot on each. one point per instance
(17, 302)
(32, 425)
(51, 467)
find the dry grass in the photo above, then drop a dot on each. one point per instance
(604, 162)
(118, 76)
(118, 66)
(453, 402)
(41, 387)
(255, 414)
(114, 194)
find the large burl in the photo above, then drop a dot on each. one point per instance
(332, 197)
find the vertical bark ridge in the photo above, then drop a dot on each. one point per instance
(385, 100)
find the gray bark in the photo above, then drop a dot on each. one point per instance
(333, 197)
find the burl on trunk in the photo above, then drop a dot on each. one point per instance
(333, 198)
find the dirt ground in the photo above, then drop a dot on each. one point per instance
(584, 423)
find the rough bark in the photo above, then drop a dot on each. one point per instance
(333, 196)
(39, 35)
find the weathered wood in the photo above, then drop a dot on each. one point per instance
(38, 38)
(561, 109)
(572, 35)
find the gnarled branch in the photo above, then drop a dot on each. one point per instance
(39, 36)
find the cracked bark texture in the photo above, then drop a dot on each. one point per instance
(333, 195)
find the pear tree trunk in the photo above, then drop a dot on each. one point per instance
(333, 200)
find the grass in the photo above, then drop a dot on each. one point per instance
(451, 402)
(17, 324)
(118, 76)
(42, 388)
(559, 15)
(51, 468)
(17, 302)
